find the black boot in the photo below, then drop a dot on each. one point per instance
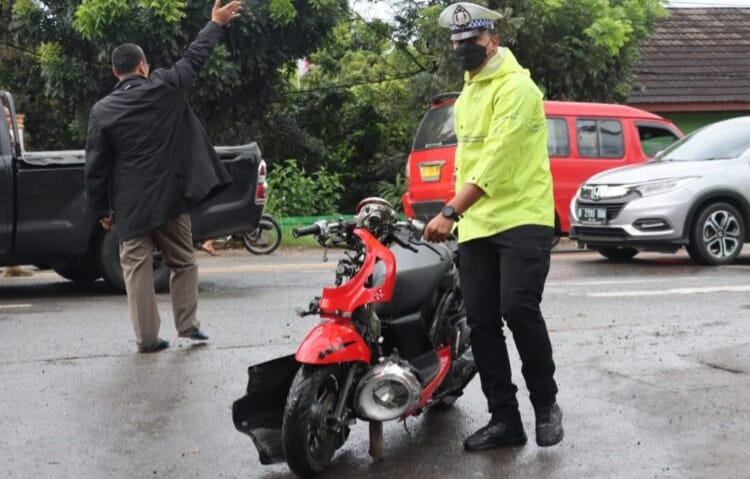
(496, 434)
(549, 429)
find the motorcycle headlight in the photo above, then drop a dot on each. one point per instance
(662, 186)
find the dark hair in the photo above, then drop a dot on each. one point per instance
(126, 58)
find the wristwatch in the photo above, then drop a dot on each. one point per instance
(449, 213)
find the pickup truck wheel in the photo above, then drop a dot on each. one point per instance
(109, 257)
(81, 271)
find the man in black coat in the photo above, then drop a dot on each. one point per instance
(148, 159)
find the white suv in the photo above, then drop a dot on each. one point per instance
(696, 194)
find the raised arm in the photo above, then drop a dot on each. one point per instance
(182, 74)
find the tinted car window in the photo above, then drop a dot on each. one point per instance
(557, 137)
(655, 138)
(726, 139)
(436, 129)
(600, 138)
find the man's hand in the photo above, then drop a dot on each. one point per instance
(227, 13)
(438, 229)
(106, 222)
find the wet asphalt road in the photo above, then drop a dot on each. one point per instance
(653, 367)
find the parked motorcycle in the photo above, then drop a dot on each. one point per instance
(265, 238)
(393, 342)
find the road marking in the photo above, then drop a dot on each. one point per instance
(710, 289)
(13, 306)
(605, 282)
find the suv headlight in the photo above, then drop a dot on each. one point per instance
(662, 186)
(602, 192)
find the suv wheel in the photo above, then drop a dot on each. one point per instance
(618, 254)
(718, 235)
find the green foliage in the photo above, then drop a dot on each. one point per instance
(393, 191)
(282, 11)
(294, 193)
(59, 64)
(24, 7)
(170, 10)
(95, 17)
(50, 54)
(582, 49)
(355, 113)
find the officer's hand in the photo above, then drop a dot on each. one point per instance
(106, 222)
(227, 13)
(438, 229)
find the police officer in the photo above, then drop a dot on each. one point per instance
(505, 216)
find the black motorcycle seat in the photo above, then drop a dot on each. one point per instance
(417, 278)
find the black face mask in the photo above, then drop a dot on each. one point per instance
(470, 55)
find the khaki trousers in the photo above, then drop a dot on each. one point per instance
(175, 241)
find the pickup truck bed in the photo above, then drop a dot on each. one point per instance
(45, 219)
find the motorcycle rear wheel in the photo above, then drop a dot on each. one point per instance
(308, 439)
(265, 238)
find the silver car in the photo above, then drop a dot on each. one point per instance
(695, 193)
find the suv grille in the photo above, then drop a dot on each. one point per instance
(591, 232)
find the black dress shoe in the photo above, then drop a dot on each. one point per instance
(549, 429)
(196, 336)
(160, 344)
(496, 434)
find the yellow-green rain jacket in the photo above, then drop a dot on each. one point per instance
(502, 148)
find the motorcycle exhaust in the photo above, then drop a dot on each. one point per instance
(387, 391)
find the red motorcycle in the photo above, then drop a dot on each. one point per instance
(393, 342)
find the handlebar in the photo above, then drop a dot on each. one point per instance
(313, 229)
(322, 227)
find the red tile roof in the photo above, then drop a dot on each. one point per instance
(695, 55)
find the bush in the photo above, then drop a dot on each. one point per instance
(291, 192)
(393, 191)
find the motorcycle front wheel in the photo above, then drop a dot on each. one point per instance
(265, 238)
(307, 435)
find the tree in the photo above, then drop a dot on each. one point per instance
(62, 58)
(581, 50)
(354, 113)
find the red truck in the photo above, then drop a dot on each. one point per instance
(583, 139)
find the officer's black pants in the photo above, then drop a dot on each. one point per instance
(503, 276)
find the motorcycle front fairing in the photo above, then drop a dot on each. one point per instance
(336, 340)
(260, 413)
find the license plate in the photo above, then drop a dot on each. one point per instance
(430, 171)
(593, 215)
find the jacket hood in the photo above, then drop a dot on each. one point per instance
(502, 63)
(656, 170)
